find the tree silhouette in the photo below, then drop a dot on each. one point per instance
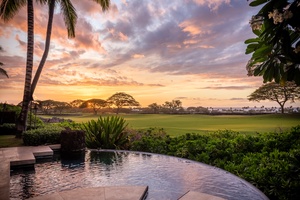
(276, 92)
(121, 99)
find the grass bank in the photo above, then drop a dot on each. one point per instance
(10, 141)
(176, 125)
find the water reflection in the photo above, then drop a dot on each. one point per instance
(167, 177)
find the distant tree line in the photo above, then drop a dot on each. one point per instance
(114, 103)
(125, 103)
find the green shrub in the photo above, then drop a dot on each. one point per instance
(70, 124)
(152, 140)
(34, 122)
(8, 129)
(41, 136)
(106, 133)
(270, 161)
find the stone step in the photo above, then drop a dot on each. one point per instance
(18, 156)
(99, 193)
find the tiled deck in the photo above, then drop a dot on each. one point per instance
(20, 156)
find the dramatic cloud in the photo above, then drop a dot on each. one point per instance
(192, 50)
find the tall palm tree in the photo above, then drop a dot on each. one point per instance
(8, 9)
(2, 71)
(70, 17)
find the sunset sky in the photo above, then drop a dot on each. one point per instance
(154, 50)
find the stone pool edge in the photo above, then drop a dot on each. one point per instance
(24, 156)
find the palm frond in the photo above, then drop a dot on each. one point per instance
(8, 8)
(2, 71)
(70, 16)
(104, 4)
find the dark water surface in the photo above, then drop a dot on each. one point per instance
(167, 177)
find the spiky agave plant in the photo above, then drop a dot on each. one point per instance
(106, 133)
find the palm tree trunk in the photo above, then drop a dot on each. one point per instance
(47, 46)
(21, 122)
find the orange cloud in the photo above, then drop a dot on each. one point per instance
(138, 56)
(191, 27)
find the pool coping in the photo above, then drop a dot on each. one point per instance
(99, 193)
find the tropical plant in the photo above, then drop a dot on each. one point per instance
(276, 49)
(276, 92)
(121, 99)
(70, 17)
(106, 133)
(8, 9)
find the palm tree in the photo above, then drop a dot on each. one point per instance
(8, 9)
(70, 18)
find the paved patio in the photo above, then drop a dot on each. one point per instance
(24, 156)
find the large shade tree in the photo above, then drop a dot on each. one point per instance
(154, 107)
(173, 106)
(276, 48)
(121, 99)
(8, 9)
(276, 92)
(95, 104)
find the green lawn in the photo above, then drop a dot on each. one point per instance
(10, 141)
(181, 124)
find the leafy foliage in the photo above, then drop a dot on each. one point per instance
(106, 133)
(276, 92)
(121, 99)
(151, 140)
(276, 49)
(269, 161)
(41, 136)
(95, 104)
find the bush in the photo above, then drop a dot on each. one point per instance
(152, 140)
(36, 122)
(270, 161)
(8, 129)
(106, 133)
(42, 136)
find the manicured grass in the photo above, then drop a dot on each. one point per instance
(181, 124)
(10, 141)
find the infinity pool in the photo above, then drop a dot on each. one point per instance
(167, 177)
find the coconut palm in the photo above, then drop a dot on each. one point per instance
(8, 9)
(70, 17)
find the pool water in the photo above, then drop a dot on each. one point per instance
(167, 177)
